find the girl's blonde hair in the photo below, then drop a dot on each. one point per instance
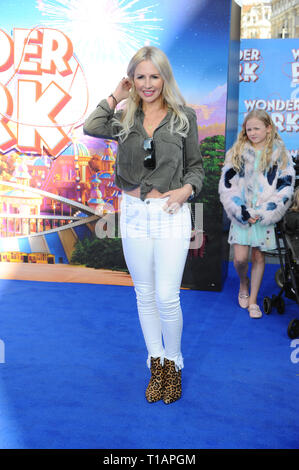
(295, 203)
(171, 94)
(237, 148)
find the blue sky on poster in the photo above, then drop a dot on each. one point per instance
(185, 30)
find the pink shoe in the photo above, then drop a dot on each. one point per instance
(254, 311)
(243, 300)
(243, 297)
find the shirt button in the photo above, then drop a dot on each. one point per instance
(147, 202)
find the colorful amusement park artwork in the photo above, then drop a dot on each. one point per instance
(57, 60)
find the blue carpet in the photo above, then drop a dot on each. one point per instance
(74, 373)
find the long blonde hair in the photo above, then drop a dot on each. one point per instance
(171, 94)
(242, 140)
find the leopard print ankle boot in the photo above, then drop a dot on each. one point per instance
(172, 382)
(154, 389)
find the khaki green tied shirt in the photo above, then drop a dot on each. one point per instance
(130, 172)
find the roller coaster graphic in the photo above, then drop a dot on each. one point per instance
(58, 241)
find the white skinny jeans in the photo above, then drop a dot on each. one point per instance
(155, 245)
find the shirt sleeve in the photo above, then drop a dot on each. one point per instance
(194, 172)
(101, 122)
(231, 193)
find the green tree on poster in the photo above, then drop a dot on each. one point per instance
(212, 150)
(99, 253)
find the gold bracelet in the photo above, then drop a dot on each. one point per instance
(113, 97)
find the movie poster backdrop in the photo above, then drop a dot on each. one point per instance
(59, 205)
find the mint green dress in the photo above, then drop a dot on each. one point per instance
(255, 235)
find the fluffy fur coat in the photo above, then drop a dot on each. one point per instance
(272, 188)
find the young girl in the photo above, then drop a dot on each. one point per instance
(256, 188)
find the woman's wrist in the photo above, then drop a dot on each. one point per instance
(117, 95)
(112, 95)
(190, 189)
(112, 101)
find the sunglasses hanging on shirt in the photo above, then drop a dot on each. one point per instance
(149, 161)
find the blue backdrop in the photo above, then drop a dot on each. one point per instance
(269, 80)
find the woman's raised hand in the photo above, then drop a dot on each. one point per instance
(123, 89)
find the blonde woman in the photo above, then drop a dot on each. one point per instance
(256, 188)
(151, 129)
